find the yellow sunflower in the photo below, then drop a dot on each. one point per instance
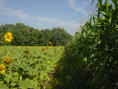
(7, 60)
(44, 48)
(2, 68)
(8, 37)
(50, 43)
(19, 46)
(26, 51)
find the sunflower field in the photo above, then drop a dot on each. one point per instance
(88, 61)
(26, 67)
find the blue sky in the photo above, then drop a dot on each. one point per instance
(41, 14)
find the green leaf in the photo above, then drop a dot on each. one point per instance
(27, 83)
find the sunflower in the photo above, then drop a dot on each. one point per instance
(44, 48)
(7, 60)
(8, 37)
(26, 51)
(19, 46)
(2, 68)
(50, 43)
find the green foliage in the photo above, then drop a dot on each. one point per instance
(27, 36)
(31, 67)
(59, 36)
(91, 59)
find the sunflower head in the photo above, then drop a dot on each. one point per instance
(7, 60)
(8, 37)
(44, 48)
(26, 51)
(50, 43)
(19, 46)
(2, 68)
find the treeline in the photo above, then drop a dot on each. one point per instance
(28, 36)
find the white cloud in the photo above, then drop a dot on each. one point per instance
(72, 26)
(73, 5)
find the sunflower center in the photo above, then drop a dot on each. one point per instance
(8, 36)
(1, 68)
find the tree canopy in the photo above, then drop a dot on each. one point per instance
(28, 36)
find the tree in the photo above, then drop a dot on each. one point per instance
(26, 35)
(59, 36)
